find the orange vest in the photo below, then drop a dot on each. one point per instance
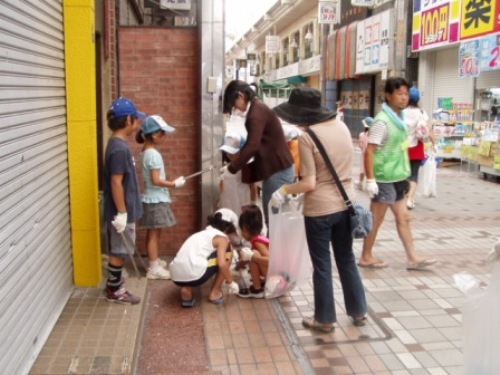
(293, 146)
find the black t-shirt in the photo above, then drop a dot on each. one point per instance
(119, 160)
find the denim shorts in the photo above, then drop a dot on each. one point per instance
(157, 215)
(121, 244)
(391, 192)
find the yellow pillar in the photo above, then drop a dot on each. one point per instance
(79, 30)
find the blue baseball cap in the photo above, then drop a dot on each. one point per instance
(414, 94)
(154, 123)
(123, 107)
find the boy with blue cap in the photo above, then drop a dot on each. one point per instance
(122, 201)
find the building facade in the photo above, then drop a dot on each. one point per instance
(347, 57)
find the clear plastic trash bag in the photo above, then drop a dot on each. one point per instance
(427, 177)
(289, 261)
(481, 321)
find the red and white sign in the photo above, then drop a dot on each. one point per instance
(374, 43)
(329, 12)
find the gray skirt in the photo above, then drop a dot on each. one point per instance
(157, 215)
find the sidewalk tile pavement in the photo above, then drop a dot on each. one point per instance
(414, 317)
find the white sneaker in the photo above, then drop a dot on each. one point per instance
(161, 263)
(158, 273)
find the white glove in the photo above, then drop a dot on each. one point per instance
(246, 254)
(223, 170)
(231, 288)
(179, 182)
(278, 197)
(120, 222)
(371, 187)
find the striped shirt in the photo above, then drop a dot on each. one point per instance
(378, 133)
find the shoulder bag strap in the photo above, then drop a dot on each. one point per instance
(329, 164)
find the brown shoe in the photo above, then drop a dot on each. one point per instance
(311, 323)
(359, 321)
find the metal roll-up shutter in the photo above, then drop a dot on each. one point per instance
(488, 79)
(447, 83)
(35, 250)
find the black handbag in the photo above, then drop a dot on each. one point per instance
(360, 217)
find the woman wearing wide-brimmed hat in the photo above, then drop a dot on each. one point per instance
(266, 143)
(326, 217)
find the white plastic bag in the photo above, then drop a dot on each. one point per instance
(236, 124)
(289, 262)
(427, 177)
(481, 326)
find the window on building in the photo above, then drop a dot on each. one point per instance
(308, 41)
(166, 13)
(271, 63)
(284, 52)
(295, 46)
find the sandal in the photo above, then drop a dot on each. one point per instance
(312, 323)
(359, 321)
(377, 263)
(217, 301)
(187, 302)
(423, 264)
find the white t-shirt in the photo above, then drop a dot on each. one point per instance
(190, 263)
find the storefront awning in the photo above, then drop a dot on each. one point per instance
(273, 89)
(297, 79)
